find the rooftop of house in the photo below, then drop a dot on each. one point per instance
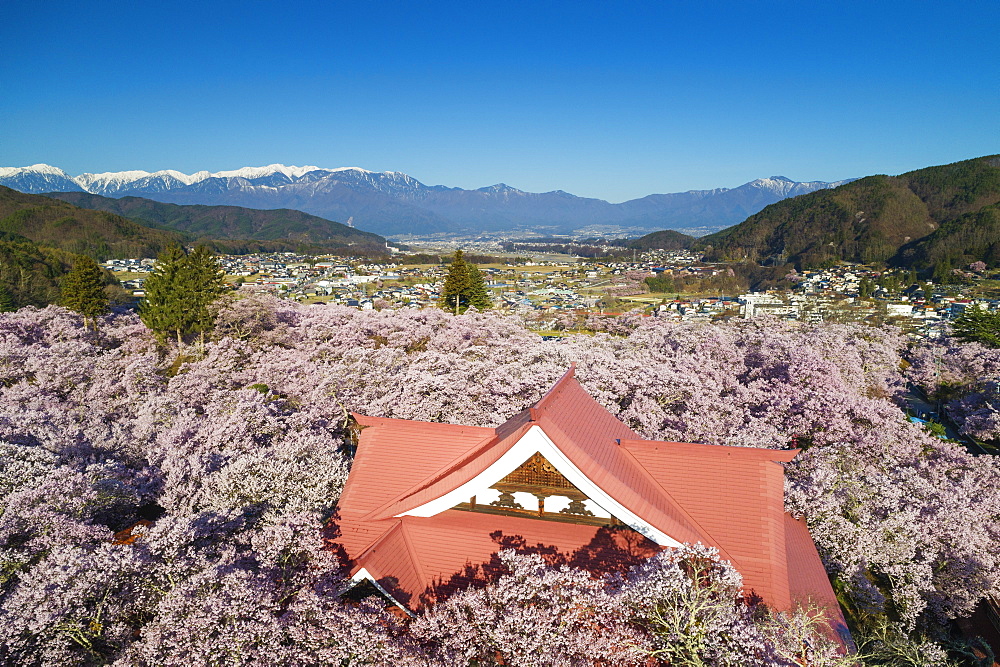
(409, 519)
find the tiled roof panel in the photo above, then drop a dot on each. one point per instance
(395, 454)
(734, 493)
(807, 578)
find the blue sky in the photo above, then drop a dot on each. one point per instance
(603, 99)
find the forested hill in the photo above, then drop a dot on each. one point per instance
(956, 244)
(29, 273)
(56, 224)
(230, 222)
(668, 239)
(924, 219)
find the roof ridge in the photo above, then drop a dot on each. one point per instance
(570, 374)
(694, 525)
(377, 541)
(411, 550)
(776, 455)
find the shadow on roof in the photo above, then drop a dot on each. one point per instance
(614, 549)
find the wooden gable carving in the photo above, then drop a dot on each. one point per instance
(537, 475)
(541, 479)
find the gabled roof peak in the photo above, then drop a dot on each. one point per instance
(560, 384)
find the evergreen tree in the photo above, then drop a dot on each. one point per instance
(457, 291)
(162, 308)
(660, 283)
(206, 281)
(978, 325)
(479, 296)
(866, 288)
(464, 287)
(942, 274)
(83, 290)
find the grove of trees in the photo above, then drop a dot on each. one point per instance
(161, 513)
(180, 291)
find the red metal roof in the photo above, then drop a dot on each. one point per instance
(727, 497)
(420, 559)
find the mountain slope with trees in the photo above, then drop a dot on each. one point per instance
(98, 234)
(917, 219)
(30, 274)
(668, 239)
(229, 222)
(957, 243)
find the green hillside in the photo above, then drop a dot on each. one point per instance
(29, 274)
(668, 239)
(231, 222)
(957, 243)
(56, 224)
(916, 219)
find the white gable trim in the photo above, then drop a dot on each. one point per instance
(365, 575)
(533, 441)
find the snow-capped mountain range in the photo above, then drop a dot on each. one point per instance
(393, 203)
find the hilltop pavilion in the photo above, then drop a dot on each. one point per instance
(427, 506)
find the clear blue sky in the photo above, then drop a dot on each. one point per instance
(604, 99)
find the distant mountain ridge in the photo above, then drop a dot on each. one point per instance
(394, 203)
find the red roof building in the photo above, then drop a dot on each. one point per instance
(427, 506)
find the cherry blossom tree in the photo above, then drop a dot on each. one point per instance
(534, 616)
(964, 376)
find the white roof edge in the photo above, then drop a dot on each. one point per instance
(364, 575)
(535, 440)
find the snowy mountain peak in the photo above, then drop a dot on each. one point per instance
(49, 170)
(778, 185)
(261, 172)
(94, 181)
(771, 181)
(358, 169)
(500, 187)
(38, 178)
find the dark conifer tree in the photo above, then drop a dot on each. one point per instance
(457, 291)
(978, 325)
(180, 292)
(479, 296)
(83, 290)
(206, 281)
(163, 308)
(464, 287)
